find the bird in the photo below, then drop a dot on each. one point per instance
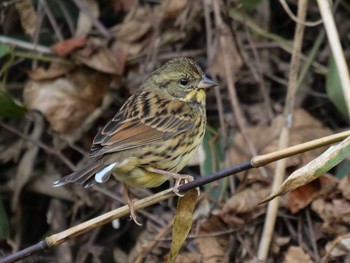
(153, 135)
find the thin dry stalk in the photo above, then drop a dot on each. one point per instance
(337, 51)
(230, 78)
(57, 239)
(271, 215)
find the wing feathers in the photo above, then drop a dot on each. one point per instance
(126, 131)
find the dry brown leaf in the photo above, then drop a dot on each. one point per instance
(170, 9)
(26, 164)
(66, 47)
(84, 23)
(147, 247)
(66, 101)
(217, 64)
(245, 201)
(27, 15)
(54, 71)
(122, 5)
(265, 139)
(296, 254)
(344, 186)
(138, 22)
(242, 206)
(212, 249)
(278, 242)
(339, 247)
(188, 257)
(97, 55)
(304, 195)
(335, 214)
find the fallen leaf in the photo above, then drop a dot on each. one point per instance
(344, 186)
(66, 47)
(54, 71)
(171, 9)
(188, 257)
(84, 23)
(244, 201)
(242, 206)
(138, 22)
(302, 196)
(26, 164)
(97, 55)
(67, 100)
(339, 247)
(305, 128)
(122, 5)
(278, 243)
(27, 16)
(335, 214)
(212, 248)
(296, 254)
(217, 63)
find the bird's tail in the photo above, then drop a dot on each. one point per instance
(84, 176)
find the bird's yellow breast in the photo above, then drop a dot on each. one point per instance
(197, 95)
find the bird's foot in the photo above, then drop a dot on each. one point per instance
(179, 178)
(130, 203)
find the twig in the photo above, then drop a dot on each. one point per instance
(284, 44)
(210, 54)
(230, 67)
(52, 20)
(312, 235)
(46, 148)
(272, 209)
(67, 16)
(25, 45)
(258, 74)
(295, 19)
(337, 51)
(97, 24)
(333, 245)
(57, 239)
(265, 159)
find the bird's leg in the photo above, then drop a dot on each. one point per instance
(129, 202)
(178, 178)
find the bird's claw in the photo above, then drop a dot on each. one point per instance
(183, 177)
(133, 216)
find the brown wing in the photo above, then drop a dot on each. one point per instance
(126, 131)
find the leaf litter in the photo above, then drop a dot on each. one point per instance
(76, 99)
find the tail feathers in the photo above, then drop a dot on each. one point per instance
(105, 173)
(84, 177)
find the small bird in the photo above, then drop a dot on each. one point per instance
(153, 135)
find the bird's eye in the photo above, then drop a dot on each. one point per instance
(183, 81)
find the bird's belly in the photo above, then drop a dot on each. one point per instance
(171, 155)
(140, 177)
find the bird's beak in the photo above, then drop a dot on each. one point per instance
(206, 83)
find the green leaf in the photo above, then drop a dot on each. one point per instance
(9, 108)
(214, 155)
(4, 223)
(343, 169)
(4, 49)
(249, 4)
(334, 88)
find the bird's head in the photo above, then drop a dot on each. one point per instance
(182, 79)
